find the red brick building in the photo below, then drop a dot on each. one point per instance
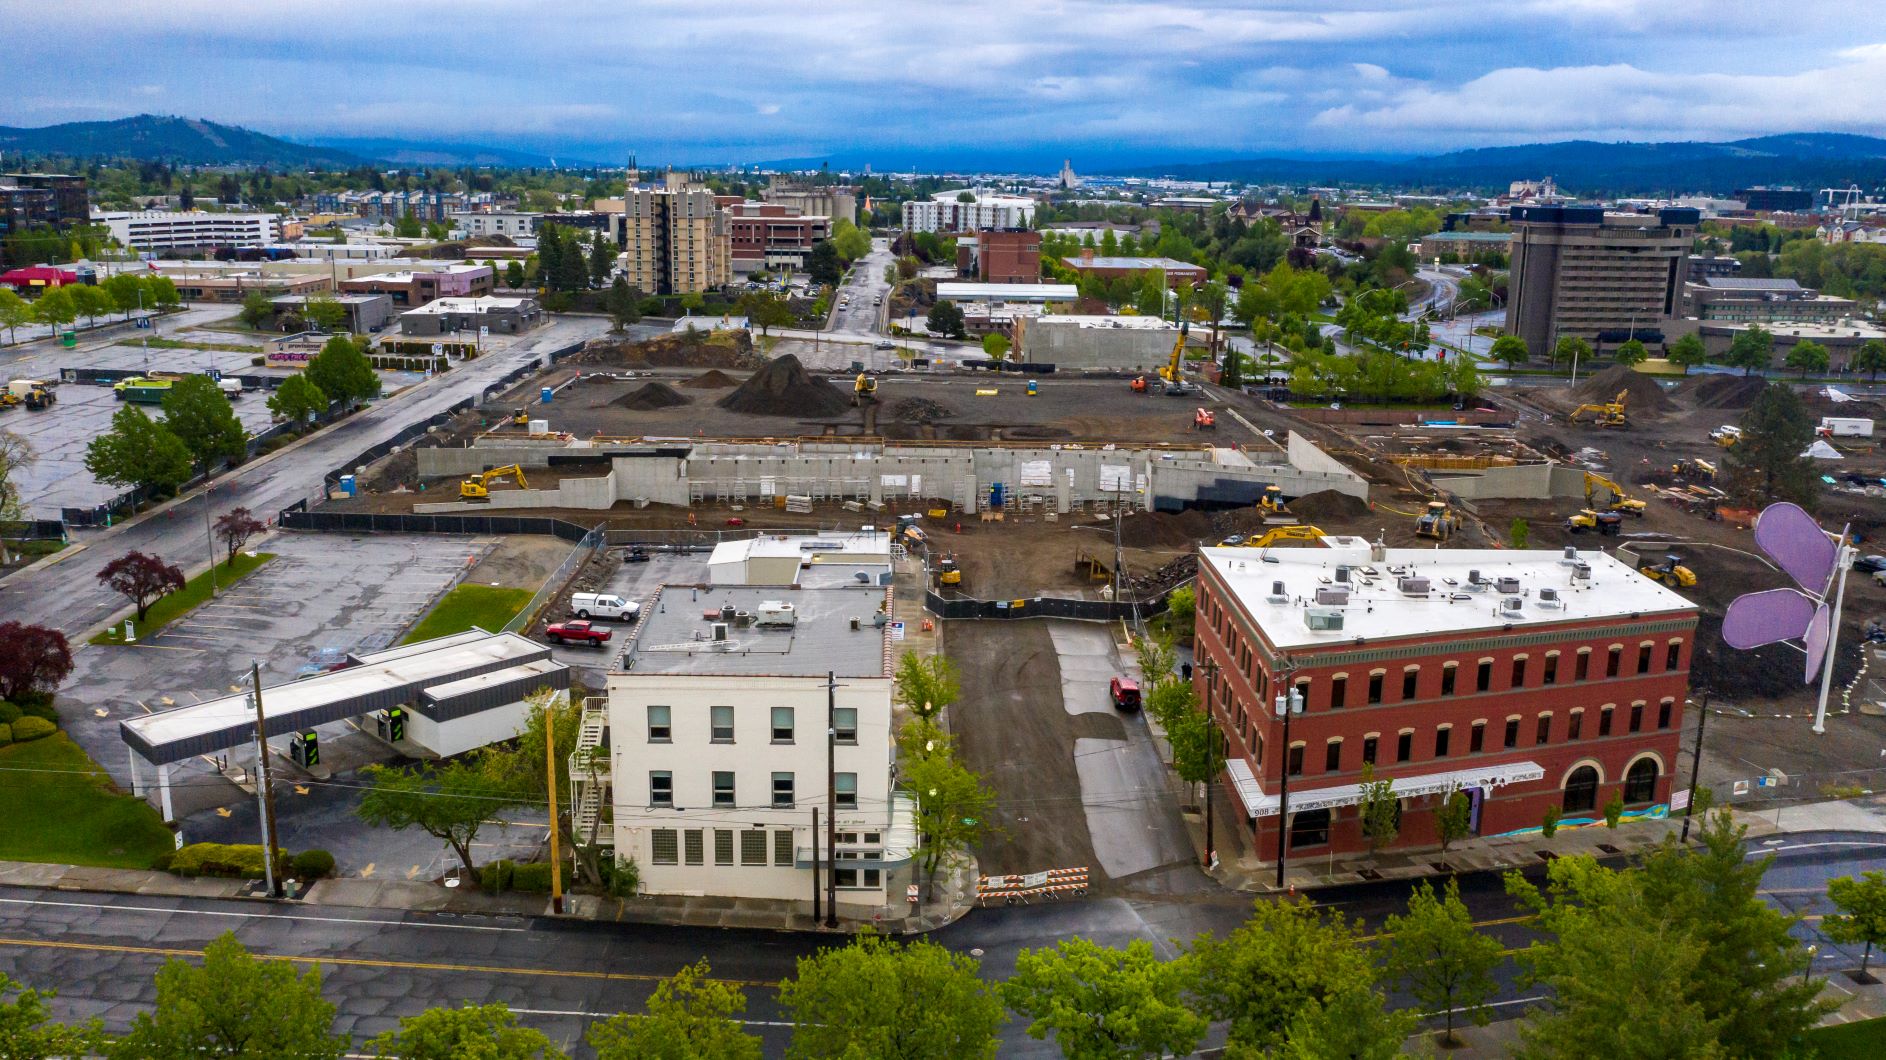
(772, 236)
(1008, 255)
(1525, 679)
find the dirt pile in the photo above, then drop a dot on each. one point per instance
(1329, 506)
(920, 410)
(688, 350)
(1725, 391)
(712, 379)
(1642, 395)
(783, 388)
(652, 396)
(1167, 530)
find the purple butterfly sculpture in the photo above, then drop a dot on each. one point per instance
(1817, 561)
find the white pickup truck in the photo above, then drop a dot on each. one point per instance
(604, 605)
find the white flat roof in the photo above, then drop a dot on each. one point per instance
(1378, 609)
(1137, 323)
(469, 305)
(1009, 292)
(1492, 775)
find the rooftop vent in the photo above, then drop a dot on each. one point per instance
(720, 631)
(1412, 586)
(726, 612)
(1334, 595)
(1582, 571)
(775, 613)
(1512, 606)
(1277, 594)
(1342, 574)
(863, 577)
(1506, 585)
(1549, 597)
(1571, 553)
(1322, 619)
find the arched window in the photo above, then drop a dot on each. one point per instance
(1309, 828)
(1581, 789)
(1640, 784)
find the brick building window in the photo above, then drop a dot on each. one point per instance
(1296, 759)
(1338, 692)
(1441, 736)
(1551, 675)
(1604, 721)
(1375, 687)
(1673, 655)
(1484, 680)
(1519, 671)
(1545, 730)
(1448, 672)
(1410, 678)
(1583, 667)
(1368, 749)
(1332, 756)
(1643, 658)
(1478, 741)
(1663, 713)
(1404, 745)
(1611, 664)
(1575, 725)
(1512, 733)
(1637, 717)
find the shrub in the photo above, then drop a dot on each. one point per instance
(9, 713)
(313, 864)
(1551, 822)
(162, 861)
(532, 877)
(42, 711)
(238, 860)
(496, 875)
(35, 698)
(32, 728)
(258, 362)
(6, 735)
(622, 876)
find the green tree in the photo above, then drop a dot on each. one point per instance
(200, 416)
(1862, 916)
(56, 308)
(926, 684)
(1869, 358)
(1549, 824)
(138, 452)
(1807, 356)
(1631, 351)
(945, 319)
(26, 1034)
(408, 227)
(298, 399)
(1753, 348)
(849, 240)
(343, 372)
(257, 310)
(90, 302)
(127, 292)
(14, 312)
(1381, 810)
(1509, 350)
(325, 312)
(1213, 299)
(953, 804)
(470, 1032)
(1440, 957)
(450, 801)
(624, 304)
(1352, 1025)
(1150, 301)
(1259, 978)
(823, 265)
(690, 1017)
(602, 260)
(1453, 818)
(514, 274)
(1766, 465)
(1614, 809)
(233, 1005)
(1572, 350)
(996, 345)
(163, 291)
(1687, 351)
(1100, 1002)
(890, 1001)
(1519, 533)
(694, 301)
(765, 310)
(524, 770)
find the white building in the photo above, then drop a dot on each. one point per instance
(943, 213)
(726, 737)
(162, 230)
(827, 558)
(511, 224)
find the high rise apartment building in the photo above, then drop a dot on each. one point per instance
(1580, 271)
(836, 201)
(674, 238)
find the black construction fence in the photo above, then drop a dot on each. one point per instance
(964, 607)
(33, 530)
(406, 434)
(297, 517)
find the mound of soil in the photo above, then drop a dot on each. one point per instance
(712, 379)
(920, 410)
(1167, 530)
(687, 350)
(1726, 391)
(652, 396)
(783, 388)
(1328, 506)
(1642, 394)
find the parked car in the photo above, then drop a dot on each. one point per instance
(578, 631)
(1869, 564)
(1124, 692)
(886, 344)
(603, 605)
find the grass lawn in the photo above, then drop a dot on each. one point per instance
(36, 549)
(488, 607)
(1865, 1040)
(178, 344)
(194, 592)
(69, 812)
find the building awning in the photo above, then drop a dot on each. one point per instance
(1258, 804)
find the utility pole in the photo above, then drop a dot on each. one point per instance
(831, 795)
(1696, 764)
(264, 791)
(1286, 706)
(816, 912)
(209, 535)
(550, 773)
(1210, 668)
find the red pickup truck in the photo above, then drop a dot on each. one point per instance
(578, 631)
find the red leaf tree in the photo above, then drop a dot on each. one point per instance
(234, 528)
(142, 579)
(32, 658)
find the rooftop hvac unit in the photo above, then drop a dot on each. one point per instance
(1336, 595)
(1412, 585)
(726, 612)
(742, 619)
(1550, 598)
(1322, 619)
(1474, 582)
(1277, 594)
(1571, 553)
(720, 631)
(1342, 573)
(1512, 605)
(1582, 571)
(1506, 585)
(775, 613)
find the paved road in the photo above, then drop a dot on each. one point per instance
(67, 594)
(379, 965)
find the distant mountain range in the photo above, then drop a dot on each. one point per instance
(417, 153)
(1808, 160)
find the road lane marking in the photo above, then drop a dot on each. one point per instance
(253, 916)
(607, 1015)
(1478, 923)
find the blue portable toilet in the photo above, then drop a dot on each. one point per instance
(995, 496)
(547, 393)
(347, 485)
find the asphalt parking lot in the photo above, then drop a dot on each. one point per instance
(631, 581)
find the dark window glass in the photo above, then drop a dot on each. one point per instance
(1375, 688)
(1484, 680)
(1309, 828)
(1440, 742)
(1296, 760)
(1519, 673)
(1643, 658)
(1551, 670)
(1368, 750)
(1404, 747)
(1447, 679)
(1637, 716)
(1576, 725)
(1545, 729)
(1338, 692)
(1332, 756)
(1581, 790)
(1611, 664)
(1640, 784)
(1604, 722)
(1663, 713)
(1583, 669)
(1409, 678)
(1478, 741)
(1512, 733)
(1673, 655)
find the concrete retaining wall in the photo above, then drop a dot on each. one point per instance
(1047, 341)
(1543, 481)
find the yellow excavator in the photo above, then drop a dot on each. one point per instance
(1607, 414)
(863, 389)
(1670, 572)
(478, 487)
(1174, 371)
(1619, 502)
(1438, 522)
(1292, 532)
(947, 572)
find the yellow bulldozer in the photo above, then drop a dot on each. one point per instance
(1670, 572)
(864, 389)
(1438, 522)
(478, 487)
(1607, 414)
(1618, 502)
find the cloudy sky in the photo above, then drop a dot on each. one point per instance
(895, 81)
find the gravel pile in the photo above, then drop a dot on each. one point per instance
(783, 388)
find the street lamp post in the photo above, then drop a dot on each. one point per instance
(1696, 764)
(1286, 705)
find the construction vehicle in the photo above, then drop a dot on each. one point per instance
(1671, 572)
(478, 487)
(1273, 501)
(1687, 468)
(1174, 371)
(1204, 419)
(1293, 532)
(1607, 524)
(520, 418)
(1726, 436)
(863, 389)
(1438, 522)
(909, 532)
(947, 572)
(1138, 385)
(7, 400)
(32, 393)
(1607, 414)
(1618, 503)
